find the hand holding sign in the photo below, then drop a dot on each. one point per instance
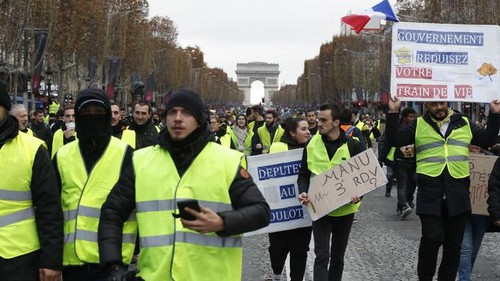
(344, 183)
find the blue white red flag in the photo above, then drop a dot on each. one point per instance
(381, 11)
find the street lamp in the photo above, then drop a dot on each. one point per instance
(48, 83)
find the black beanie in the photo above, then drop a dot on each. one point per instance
(189, 100)
(4, 96)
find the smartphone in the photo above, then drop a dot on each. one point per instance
(193, 204)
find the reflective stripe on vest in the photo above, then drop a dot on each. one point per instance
(318, 162)
(18, 232)
(82, 198)
(434, 153)
(157, 182)
(265, 136)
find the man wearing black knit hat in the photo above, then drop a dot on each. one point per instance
(31, 220)
(186, 164)
(87, 169)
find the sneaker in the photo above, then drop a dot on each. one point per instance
(405, 212)
(387, 193)
(276, 277)
(354, 219)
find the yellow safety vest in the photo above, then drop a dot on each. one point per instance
(18, 232)
(434, 152)
(265, 136)
(390, 155)
(128, 136)
(168, 250)
(248, 141)
(278, 147)
(82, 197)
(53, 107)
(318, 162)
(58, 141)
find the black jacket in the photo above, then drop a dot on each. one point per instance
(251, 210)
(145, 135)
(46, 202)
(433, 190)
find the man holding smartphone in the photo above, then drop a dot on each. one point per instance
(187, 164)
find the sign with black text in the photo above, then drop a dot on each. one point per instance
(334, 188)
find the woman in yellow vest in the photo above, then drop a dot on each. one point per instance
(88, 168)
(295, 241)
(242, 135)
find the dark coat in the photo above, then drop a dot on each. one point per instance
(433, 190)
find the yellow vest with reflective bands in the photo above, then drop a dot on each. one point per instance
(18, 232)
(318, 162)
(53, 107)
(82, 199)
(168, 250)
(434, 152)
(265, 136)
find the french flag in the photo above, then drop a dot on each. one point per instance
(381, 11)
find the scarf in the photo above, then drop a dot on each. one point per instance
(444, 121)
(241, 135)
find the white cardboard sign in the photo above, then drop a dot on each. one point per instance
(334, 188)
(445, 62)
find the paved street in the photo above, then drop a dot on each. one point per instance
(381, 247)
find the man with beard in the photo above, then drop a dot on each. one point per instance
(87, 169)
(206, 248)
(116, 121)
(442, 138)
(267, 134)
(31, 220)
(311, 121)
(142, 132)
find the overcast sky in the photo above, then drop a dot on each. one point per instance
(286, 32)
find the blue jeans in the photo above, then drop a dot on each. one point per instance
(474, 232)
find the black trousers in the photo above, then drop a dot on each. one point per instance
(329, 262)
(22, 268)
(436, 231)
(294, 241)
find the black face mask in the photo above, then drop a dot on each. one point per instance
(93, 127)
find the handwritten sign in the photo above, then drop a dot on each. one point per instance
(276, 176)
(480, 170)
(335, 187)
(445, 62)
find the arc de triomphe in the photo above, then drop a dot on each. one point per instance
(267, 73)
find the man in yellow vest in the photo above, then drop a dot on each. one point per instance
(267, 134)
(442, 138)
(87, 170)
(186, 164)
(31, 220)
(66, 133)
(142, 132)
(329, 148)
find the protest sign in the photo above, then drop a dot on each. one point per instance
(334, 188)
(445, 62)
(276, 176)
(480, 170)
